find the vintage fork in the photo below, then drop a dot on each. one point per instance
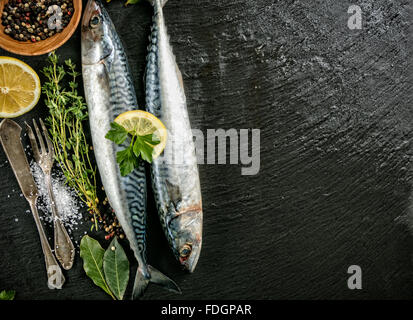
(64, 249)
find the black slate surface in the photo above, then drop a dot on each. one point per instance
(335, 112)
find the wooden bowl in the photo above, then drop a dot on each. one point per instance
(28, 48)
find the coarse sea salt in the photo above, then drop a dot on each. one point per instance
(3, 164)
(67, 202)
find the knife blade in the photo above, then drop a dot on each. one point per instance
(10, 139)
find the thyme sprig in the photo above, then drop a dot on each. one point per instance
(67, 111)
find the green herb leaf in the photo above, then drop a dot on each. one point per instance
(131, 2)
(140, 146)
(67, 111)
(7, 295)
(144, 145)
(117, 134)
(92, 254)
(116, 267)
(127, 161)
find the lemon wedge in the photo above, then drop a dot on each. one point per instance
(142, 123)
(19, 88)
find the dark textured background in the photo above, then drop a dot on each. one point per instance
(334, 189)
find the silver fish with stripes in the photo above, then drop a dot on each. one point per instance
(175, 177)
(109, 92)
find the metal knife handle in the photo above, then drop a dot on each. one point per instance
(63, 245)
(55, 278)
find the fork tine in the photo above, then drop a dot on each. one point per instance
(46, 136)
(39, 137)
(33, 142)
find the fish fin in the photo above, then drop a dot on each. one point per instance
(174, 192)
(179, 73)
(156, 277)
(163, 2)
(140, 285)
(160, 279)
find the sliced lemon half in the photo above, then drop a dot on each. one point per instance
(142, 123)
(19, 88)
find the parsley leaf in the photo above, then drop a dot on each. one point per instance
(127, 161)
(117, 134)
(143, 147)
(139, 147)
(7, 295)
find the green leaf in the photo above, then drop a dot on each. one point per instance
(127, 161)
(144, 145)
(116, 267)
(140, 146)
(7, 295)
(131, 2)
(92, 254)
(117, 134)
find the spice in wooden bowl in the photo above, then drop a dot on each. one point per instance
(51, 43)
(27, 20)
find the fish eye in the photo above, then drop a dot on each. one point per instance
(186, 250)
(94, 21)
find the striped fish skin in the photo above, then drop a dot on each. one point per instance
(175, 176)
(109, 92)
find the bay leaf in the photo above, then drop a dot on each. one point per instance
(92, 254)
(116, 268)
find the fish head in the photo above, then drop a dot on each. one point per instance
(97, 27)
(187, 228)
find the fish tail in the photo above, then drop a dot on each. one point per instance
(162, 2)
(140, 285)
(162, 280)
(156, 277)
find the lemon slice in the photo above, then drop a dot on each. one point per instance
(19, 88)
(142, 123)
